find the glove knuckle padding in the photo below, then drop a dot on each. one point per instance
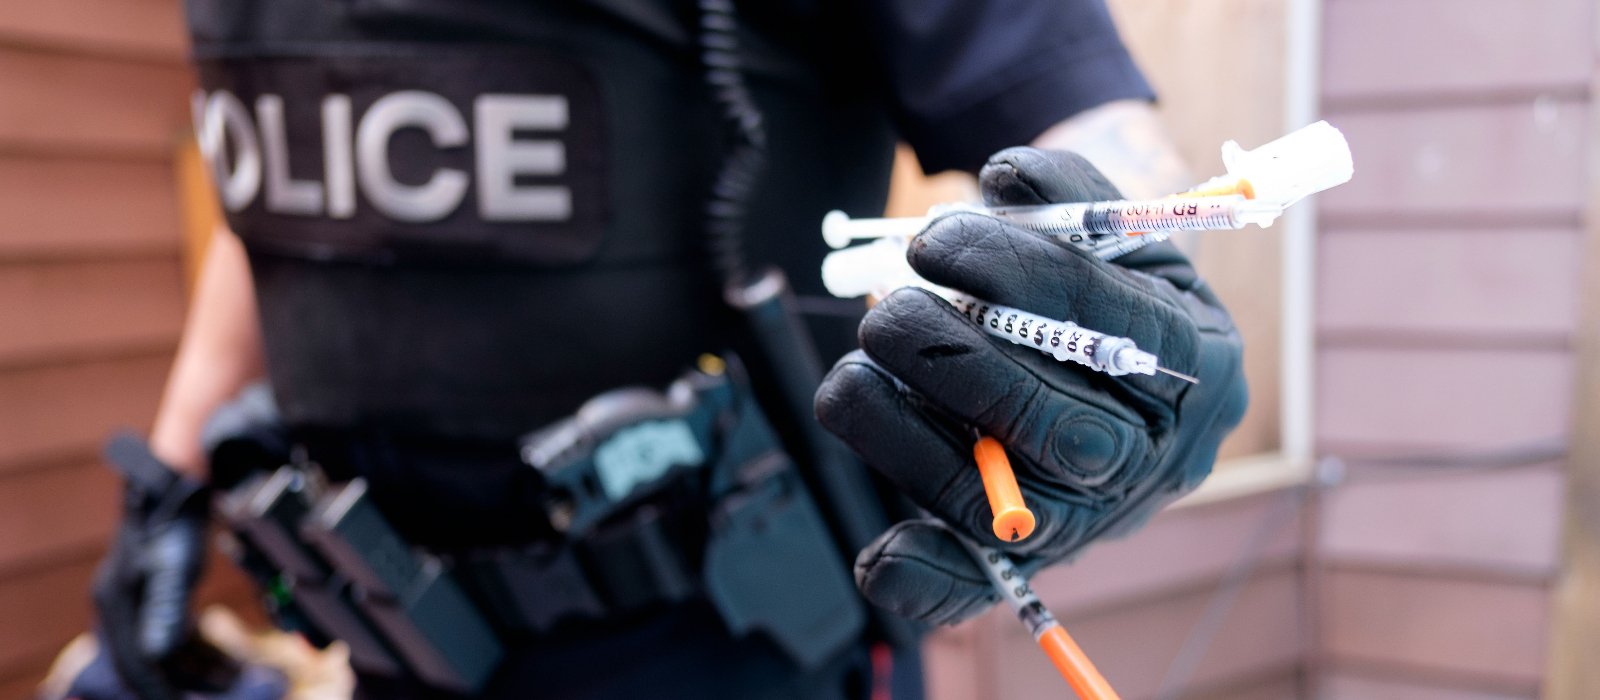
(1087, 448)
(917, 570)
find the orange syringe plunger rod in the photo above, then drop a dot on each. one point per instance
(1074, 665)
(1013, 587)
(1012, 519)
(1240, 186)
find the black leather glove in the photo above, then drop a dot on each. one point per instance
(143, 587)
(1095, 455)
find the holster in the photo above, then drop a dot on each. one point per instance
(665, 497)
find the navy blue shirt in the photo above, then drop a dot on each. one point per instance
(965, 78)
(970, 78)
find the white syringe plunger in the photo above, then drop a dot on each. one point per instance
(873, 268)
(838, 229)
(1295, 166)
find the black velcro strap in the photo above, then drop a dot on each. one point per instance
(621, 569)
(530, 590)
(131, 457)
(639, 564)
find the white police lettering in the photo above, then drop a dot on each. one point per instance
(284, 194)
(245, 153)
(237, 172)
(338, 165)
(501, 157)
(441, 194)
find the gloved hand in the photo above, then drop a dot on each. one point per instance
(1095, 455)
(143, 587)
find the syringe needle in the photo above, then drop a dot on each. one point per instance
(1179, 375)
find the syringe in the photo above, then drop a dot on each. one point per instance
(1088, 225)
(880, 267)
(1064, 653)
(1063, 340)
(1261, 183)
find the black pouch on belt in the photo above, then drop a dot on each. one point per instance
(690, 492)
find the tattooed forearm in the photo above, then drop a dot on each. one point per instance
(1126, 140)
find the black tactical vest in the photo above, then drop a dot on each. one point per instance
(464, 217)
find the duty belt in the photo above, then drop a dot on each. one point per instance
(656, 498)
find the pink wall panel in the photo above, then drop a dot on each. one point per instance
(55, 412)
(1375, 400)
(1178, 548)
(58, 206)
(149, 28)
(1502, 520)
(1445, 304)
(1397, 47)
(1280, 686)
(954, 664)
(1134, 646)
(82, 105)
(1344, 686)
(43, 610)
(84, 506)
(89, 307)
(1500, 283)
(1487, 630)
(1463, 162)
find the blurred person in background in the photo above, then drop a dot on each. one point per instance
(456, 223)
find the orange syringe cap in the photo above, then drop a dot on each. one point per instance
(1013, 521)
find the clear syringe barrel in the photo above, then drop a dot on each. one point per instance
(1007, 580)
(1064, 340)
(1110, 218)
(1088, 225)
(880, 267)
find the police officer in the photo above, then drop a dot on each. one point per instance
(458, 220)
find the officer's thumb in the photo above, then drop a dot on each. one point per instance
(1024, 176)
(918, 570)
